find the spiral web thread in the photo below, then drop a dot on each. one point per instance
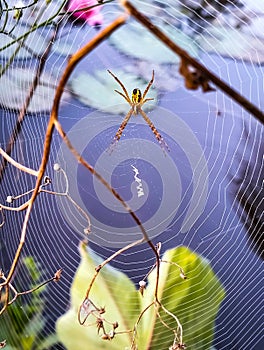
(228, 232)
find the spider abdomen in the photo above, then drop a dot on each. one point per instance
(136, 96)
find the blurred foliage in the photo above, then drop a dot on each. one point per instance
(220, 27)
(21, 324)
(16, 83)
(200, 13)
(149, 49)
(97, 90)
(195, 301)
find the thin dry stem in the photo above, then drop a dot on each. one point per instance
(116, 194)
(24, 205)
(20, 208)
(137, 322)
(175, 318)
(73, 61)
(67, 195)
(18, 165)
(98, 269)
(17, 294)
(182, 273)
(251, 108)
(3, 217)
(23, 110)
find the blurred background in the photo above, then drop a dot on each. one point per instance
(206, 193)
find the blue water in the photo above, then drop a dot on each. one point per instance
(231, 143)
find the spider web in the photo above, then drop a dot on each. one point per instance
(206, 193)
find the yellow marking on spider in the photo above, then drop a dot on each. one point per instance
(136, 102)
(136, 96)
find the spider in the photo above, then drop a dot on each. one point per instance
(136, 102)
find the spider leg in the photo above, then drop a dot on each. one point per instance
(120, 93)
(121, 129)
(158, 136)
(122, 86)
(146, 100)
(148, 87)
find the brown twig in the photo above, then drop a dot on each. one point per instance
(73, 61)
(23, 110)
(98, 269)
(116, 194)
(133, 343)
(20, 208)
(66, 194)
(245, 103)
(19, 166)
(54, 123)
(9, 287)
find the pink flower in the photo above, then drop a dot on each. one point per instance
(92, 17)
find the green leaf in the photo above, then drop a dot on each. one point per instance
(112, 290)
(23, 322)
(134, 40)
(75, 39)
(33, 269)
(15, 86)
(35, 44)
(233, 43)
(98, 92)
(194, 301)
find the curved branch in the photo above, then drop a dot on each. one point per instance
(16, 164)
(207, 74)
(73, 61)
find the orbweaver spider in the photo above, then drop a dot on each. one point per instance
(136, 102)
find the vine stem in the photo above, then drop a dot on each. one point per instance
(227, 89)
(53, 122)
(55, 278)
(23, 7)
(98, 269)
(19, 166)
(119, 198)
(50, 129)
(34, 28)
(23, 110)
